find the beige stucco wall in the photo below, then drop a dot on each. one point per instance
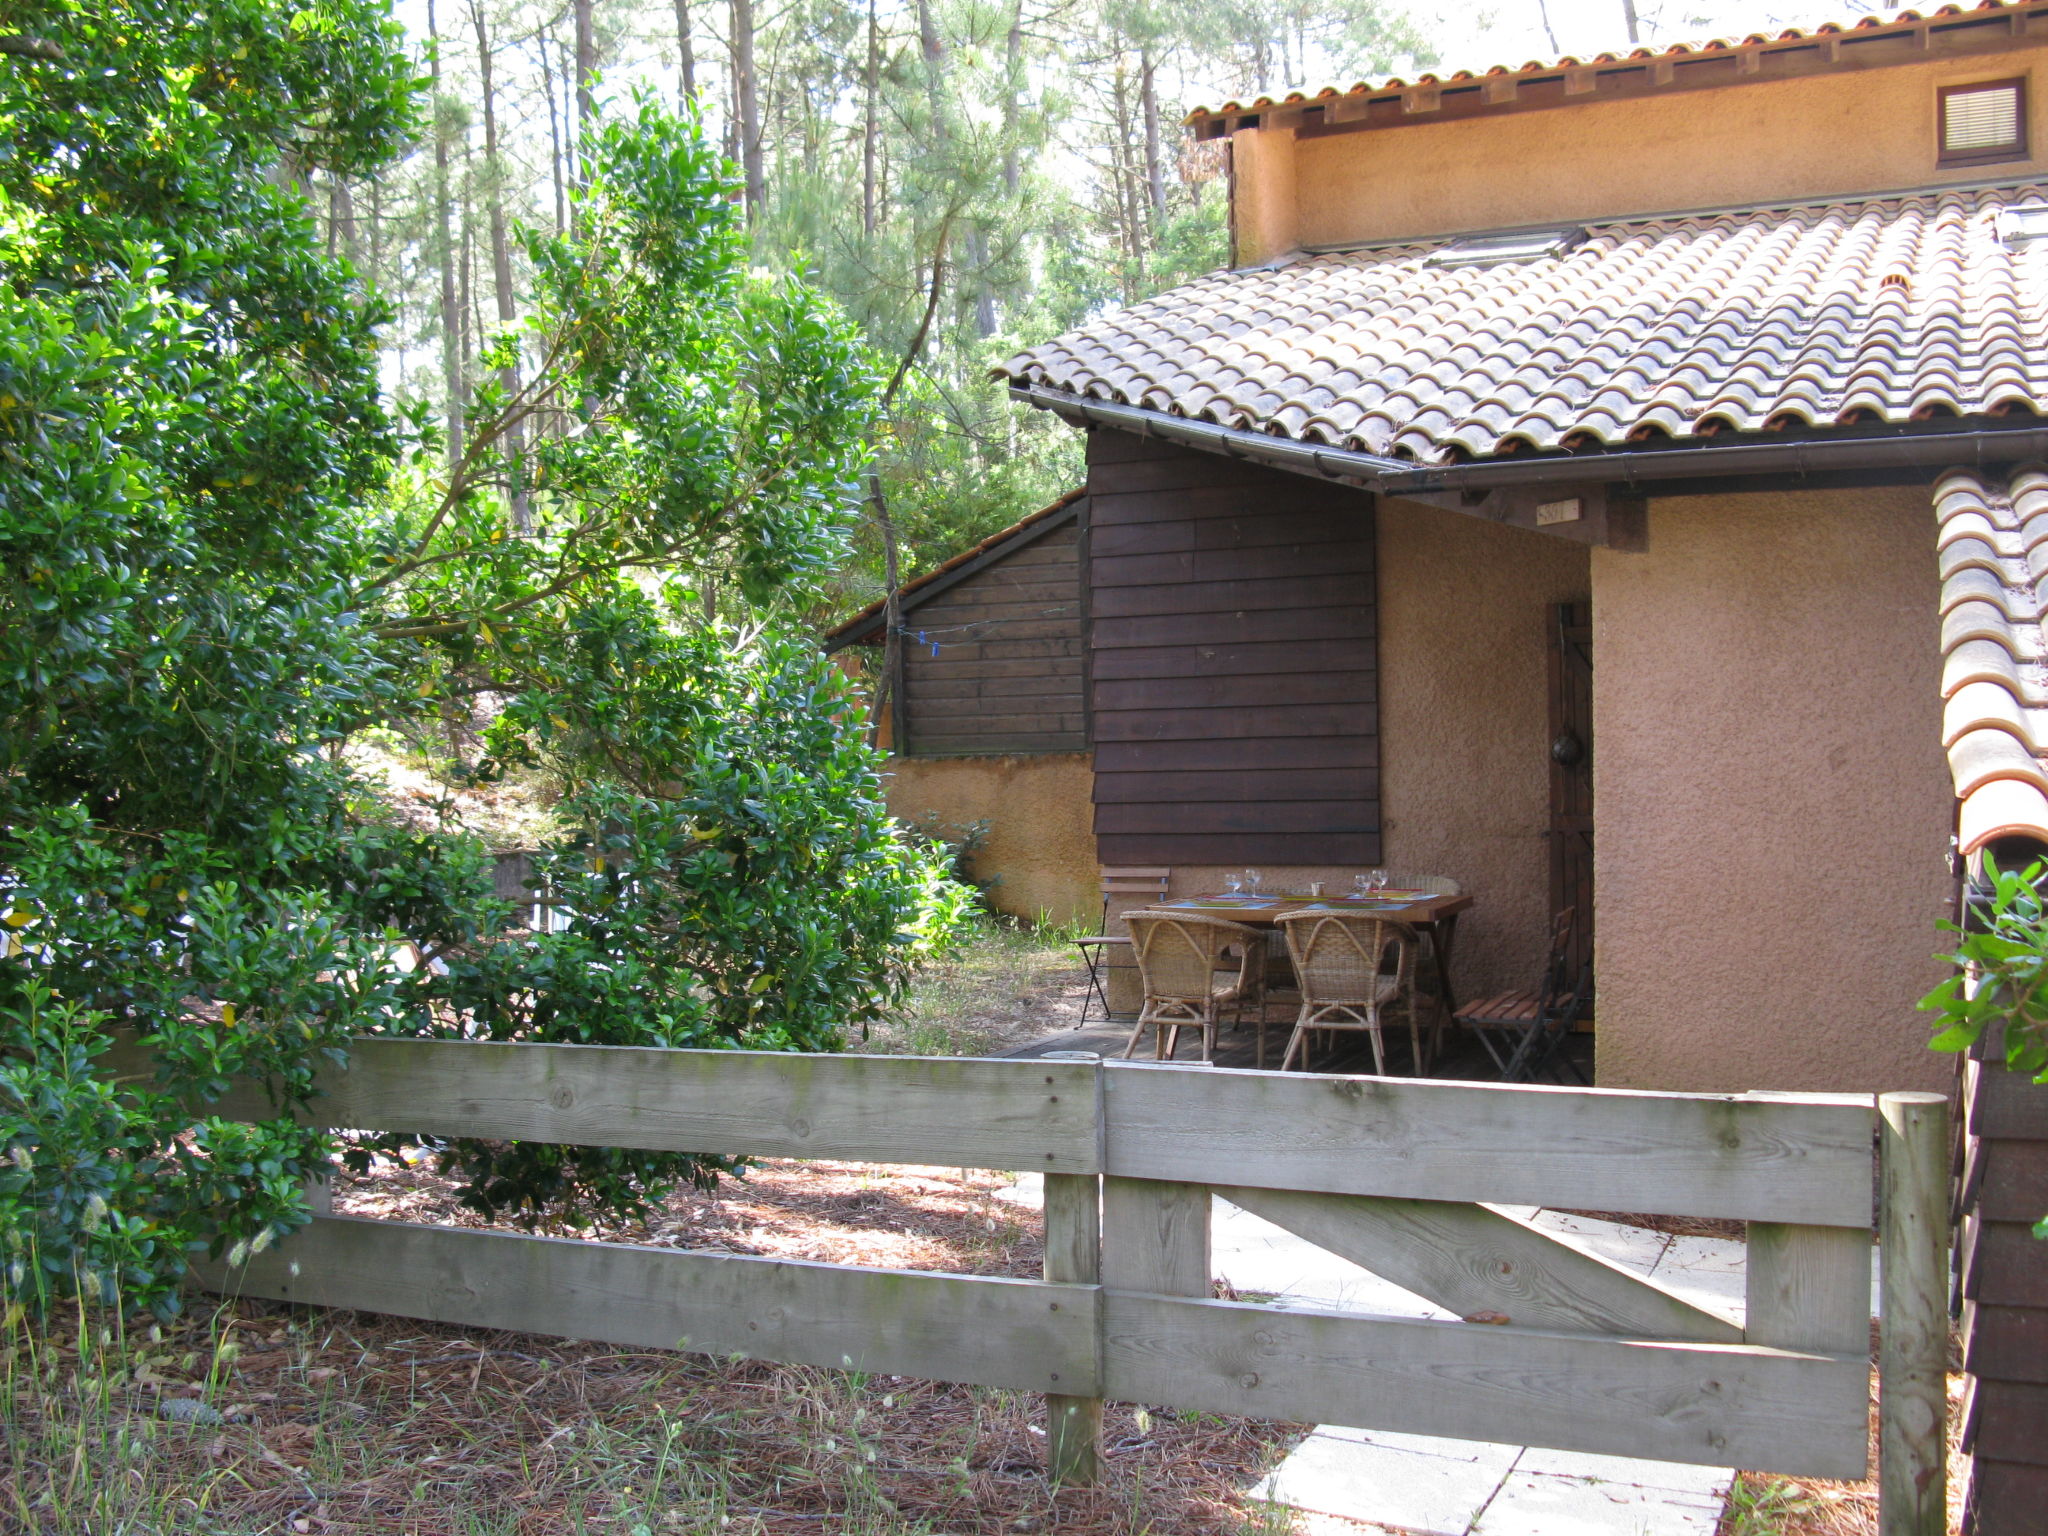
(1860, 131)
(1772, 804)
(1041, 842)
(1465, 615)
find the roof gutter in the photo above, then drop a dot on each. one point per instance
(1626, 467)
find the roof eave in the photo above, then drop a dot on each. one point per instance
(1628, 468)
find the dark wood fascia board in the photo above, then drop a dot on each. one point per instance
(1573, 85)
(866, 631)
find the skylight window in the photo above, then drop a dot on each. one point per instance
(1502, 250)
(2023, 226)
(1983, 122)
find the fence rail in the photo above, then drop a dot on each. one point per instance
(1385, 1172)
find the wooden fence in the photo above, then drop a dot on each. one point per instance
(1581, 1355)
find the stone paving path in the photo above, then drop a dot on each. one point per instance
(1414, 1483)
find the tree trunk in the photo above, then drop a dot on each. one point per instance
(686, 52)
(341, 223)
(586, 70)
(445, 254)
(1013, 84)
(871, 126)
(881, 700)
(1124, 179)
(747, 106)
(933, 47)
(984, 295)
(501, 262)
(1155, 169)
(1628, 16)
(555, 136)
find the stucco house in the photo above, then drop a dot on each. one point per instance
(1640, 377)
(1613, 482)
(1548, 496)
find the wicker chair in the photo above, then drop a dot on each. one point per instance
(1179, 955)
(1340, 959)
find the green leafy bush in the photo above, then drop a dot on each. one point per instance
(750, 891)
(213, 573)
(1999, 991)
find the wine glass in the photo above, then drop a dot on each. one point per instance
(1232, 882)
(1378, 878)
(1252, 878)
(1361, 883)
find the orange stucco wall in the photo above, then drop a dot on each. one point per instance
(1040, 849)
(1861, 131)
(1465, 610)
(1772, 804)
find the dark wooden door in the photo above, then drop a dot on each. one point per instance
(1571, 771)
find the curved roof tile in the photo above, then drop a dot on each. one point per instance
(1994, 684)
(1893, 307)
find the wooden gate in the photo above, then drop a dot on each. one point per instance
(1397, 1174)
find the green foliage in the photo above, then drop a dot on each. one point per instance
(734, 880)
(189, 419)
(676, 412)
(205, 590)
(1999, 991)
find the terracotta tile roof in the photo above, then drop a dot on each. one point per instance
(1993, 542)
(1671, 55)
(1873, 310)
(850, 631)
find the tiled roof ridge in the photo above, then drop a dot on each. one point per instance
(874, 609)
(1992, 544)
(1640, 54)
(1819, 313)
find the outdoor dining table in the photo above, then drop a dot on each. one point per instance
(1434, 917)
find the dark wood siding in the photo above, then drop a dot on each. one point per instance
(1234, 683)
(2004, 1283)
(994, 662)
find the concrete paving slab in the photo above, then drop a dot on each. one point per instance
(1707, 1271)
(1635, 1248)
(1673, 1476)
(1535, 1504)
(1373, 1477)
(1254, 1255)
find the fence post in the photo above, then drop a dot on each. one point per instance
(1913, 1211)
(1073, 1252)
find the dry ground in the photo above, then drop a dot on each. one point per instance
(345, 1422)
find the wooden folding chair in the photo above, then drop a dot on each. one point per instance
(1526, 1031)
(1100, 952)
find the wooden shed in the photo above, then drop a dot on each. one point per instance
(987, 717)
(994, 653)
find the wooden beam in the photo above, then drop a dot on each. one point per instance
(1031, 1115)
(1156, 1236)
(1073, 1253)
(1523, 1144)
(1716, 1404)
(1807, 1287)
(1486, 1266)
(1021, 1334)
(1593, 513)
(1912, 1413)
